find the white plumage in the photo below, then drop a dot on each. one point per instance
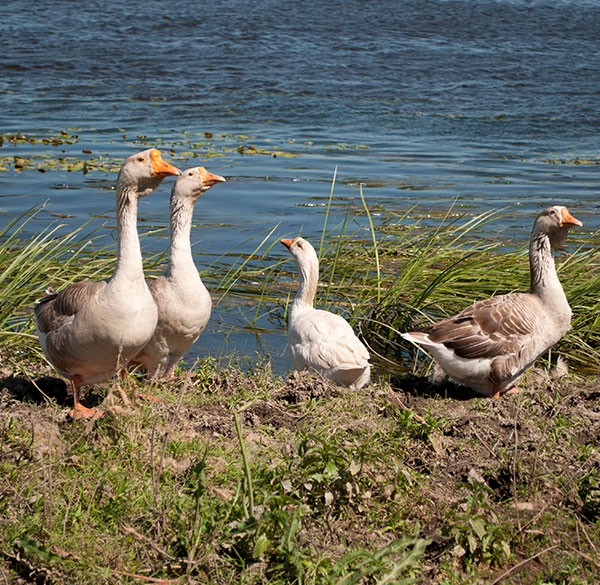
(319, 340)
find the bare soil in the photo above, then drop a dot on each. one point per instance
(437, 461)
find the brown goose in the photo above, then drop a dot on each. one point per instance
(183, 302)
(488, 345)
(319, 340)
(89, 328)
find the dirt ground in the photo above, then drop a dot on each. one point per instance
(505, 491)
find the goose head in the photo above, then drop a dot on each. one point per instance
(196, 181)
(555, 222)
(301, 250)
(144, 171)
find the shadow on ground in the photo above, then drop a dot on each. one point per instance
(421, 386)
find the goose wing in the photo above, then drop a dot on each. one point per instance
(323, 340)
(53, 310)
(494, 327)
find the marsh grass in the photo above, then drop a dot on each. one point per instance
(437, 274)
(404, 272)
(386, 277)
(241, 477)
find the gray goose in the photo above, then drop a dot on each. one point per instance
(321, 341)
(183, 302)
(490, 344)
(89, 329)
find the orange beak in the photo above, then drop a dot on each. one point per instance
(210, 179)
(160, 167)
(568, 219)
(287, 242)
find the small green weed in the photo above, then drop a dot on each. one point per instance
(418, 427)
(478, 535)
(589, 491)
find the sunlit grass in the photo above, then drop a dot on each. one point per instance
(402, 273)
(229, 480)
(386, 277)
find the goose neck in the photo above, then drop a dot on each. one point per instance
(544, 279)
(129, 255)
(309, 277)
(182, 210)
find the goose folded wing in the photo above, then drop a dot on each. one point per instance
(490, 328)
(51, 310)
(329, 342)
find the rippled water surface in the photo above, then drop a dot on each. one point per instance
(487, 103)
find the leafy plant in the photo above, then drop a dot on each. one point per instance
(478, 535)
(420, 427)
(589, 491)
(394, 563)
(327, 475)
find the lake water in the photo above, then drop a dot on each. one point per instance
(485, 104)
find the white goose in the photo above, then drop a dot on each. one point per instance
(89, 329)
(183, 302)
(488, 345)
(319, 340)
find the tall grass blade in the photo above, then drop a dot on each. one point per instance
(374, 237)
(324, 230)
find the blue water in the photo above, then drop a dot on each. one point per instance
(431, 104)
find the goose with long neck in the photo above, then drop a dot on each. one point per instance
(488, 345)
(183, 303)
(90, 329)
(319, 340)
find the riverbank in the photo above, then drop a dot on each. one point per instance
(240, 475)
(245, 477)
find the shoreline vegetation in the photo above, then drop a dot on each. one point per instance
(406, 271)
(241, 476)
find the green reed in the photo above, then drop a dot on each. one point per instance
(402, 273)
(406, 270)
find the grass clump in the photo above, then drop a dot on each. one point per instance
(406, 272)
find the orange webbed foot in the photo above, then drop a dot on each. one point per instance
(147, 397)
(79, 412)
(511, 390)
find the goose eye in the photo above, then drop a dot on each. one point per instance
(140, 159)
(553, 212)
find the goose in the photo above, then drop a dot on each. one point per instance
(490, 344)
(319, 340)
(88, 329)
(182, 300)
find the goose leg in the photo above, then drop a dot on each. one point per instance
(79, 411)
(130, 383)
(498, 392)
